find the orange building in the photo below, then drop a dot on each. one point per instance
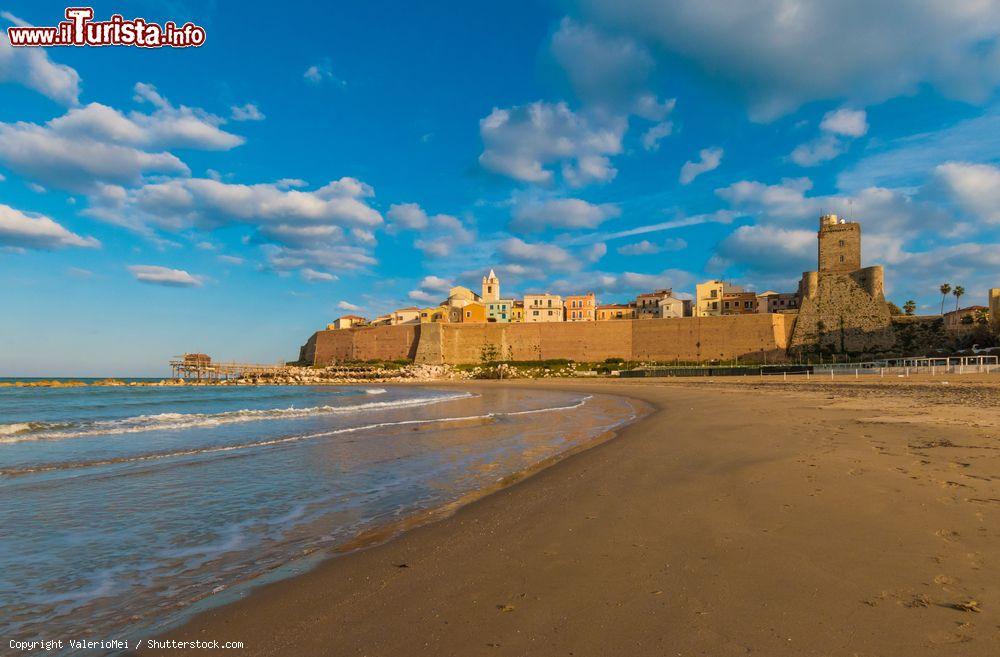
(581, 308)
(615, 311)
(473, 313)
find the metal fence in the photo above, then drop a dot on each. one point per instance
(896, 367)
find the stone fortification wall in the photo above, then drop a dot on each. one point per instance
(687, 339)
(846, 313)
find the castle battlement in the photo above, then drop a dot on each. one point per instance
(842, 303)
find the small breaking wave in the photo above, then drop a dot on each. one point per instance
(282, 440)
(28, 431)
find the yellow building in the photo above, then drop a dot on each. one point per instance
(615, 311)
(708, 297)
(434, 314)
(517, 312)
(543, 308)
(346, 322)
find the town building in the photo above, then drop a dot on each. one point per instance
(435, 314)
(346, 322)
(709, 295)
(963, 317)
(995, 307)
(409, 315)
(614, 311)
(473, 313)
(739, 303)
(776, 302)
(499, 310)
(543, 308)
(517, 312)
(458, 296)
(581, 307)
(647, 305)
(673, 307)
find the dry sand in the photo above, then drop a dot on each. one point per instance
(738, 518)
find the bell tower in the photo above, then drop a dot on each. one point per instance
(491, 287)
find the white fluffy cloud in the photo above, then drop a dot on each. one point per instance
(783, 53)
(313, 276)
(157, 275)
(347, 305)
(322, 258)
(975, 187)
(819, 150)
(99, 144)
(517, 251)
(424, 297)
(247, 112)
(565, 213)
(186, 202)
(76, 163)
(768, 249)
(36, 231)
(32, 68)
(838, 126)
(881, 210)
(524, 142)
(645, 247)
(436, 283)
(439, 234)
(845, 121)
(709, 159)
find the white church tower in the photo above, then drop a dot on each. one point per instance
(491, 287)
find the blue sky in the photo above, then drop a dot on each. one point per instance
(359, 157)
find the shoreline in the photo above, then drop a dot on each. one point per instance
(608, 550)
(307, 563)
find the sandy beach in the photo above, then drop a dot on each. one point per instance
(739, 517)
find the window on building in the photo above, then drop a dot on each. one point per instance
(715, 305)
(841, 242)
(535, 313)
(841, 258)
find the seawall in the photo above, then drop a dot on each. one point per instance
(754, 338)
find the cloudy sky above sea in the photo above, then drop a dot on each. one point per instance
(309, 161)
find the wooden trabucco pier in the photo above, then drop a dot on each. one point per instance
(201, 367)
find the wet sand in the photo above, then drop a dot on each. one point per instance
(740, 517)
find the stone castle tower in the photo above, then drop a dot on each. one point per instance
(491, 287)
(842, 304)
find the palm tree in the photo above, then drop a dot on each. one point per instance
(958, 292)
(945, 289)
(909, 307)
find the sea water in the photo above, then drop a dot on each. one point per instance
(123, 509)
